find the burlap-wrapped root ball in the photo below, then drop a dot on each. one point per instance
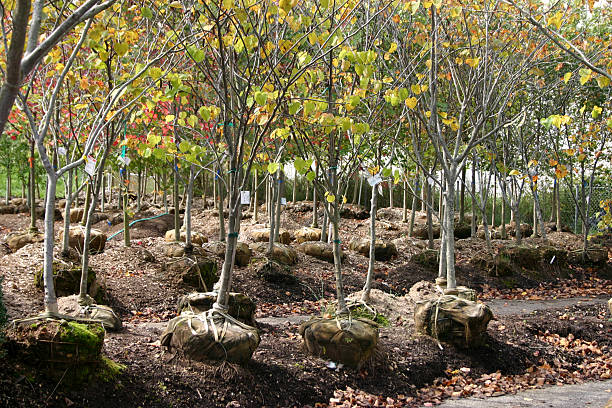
(211, 337)
(70, 306)
(241, 307)
(453, 319)
(347, 341)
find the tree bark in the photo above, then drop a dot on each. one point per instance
(365, 294)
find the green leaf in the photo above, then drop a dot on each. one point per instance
(300, 165)
(121, 48)
(294, 107)
(146, 12)
(261, 98)
(153, 139)
(184, 146)
(273, 168)
(310, 176)
(386, 172)
(204, 112)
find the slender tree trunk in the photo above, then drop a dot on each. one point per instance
(462, 196)
(32, 190)
(355, 188)
(126, 216)
(255, 199)
(405, 202)
(103, 198)
(220, 206)
(295, 180)
(335, 218)
(449, 237)
(274, 198)
(494, 204)
(50, 299)
(558, 206)
(429, 195)
(414, 206)
(473, 225)
(188, 207)
(391, 195)
(315, 210)
(280, 187)
(138, 190)
(8, 184)
(87, 203)
(66, 232)
(175, 202)
(553, 202)
(360, 189)
(325, 226)
(424, 191)
(365, 295)
(442, 269)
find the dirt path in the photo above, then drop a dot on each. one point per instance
(500, 307)
(589, 394)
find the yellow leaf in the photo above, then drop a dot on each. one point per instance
(411, 102)
(603, 81)
(392, 48)
(414, 6)
(532, 163)
(344, 199)
(330, 198)
(567, 77)
(552, 162)
(581, 157)
(472, 62)
(514, 172)
(570, 152)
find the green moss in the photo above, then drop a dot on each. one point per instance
(88, 338)
(109, 369)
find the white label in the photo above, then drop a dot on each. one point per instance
(90, 165)
(374, 180)
(430, 180)
(283, 201)
(124, 160)
(245, 197)
(61, 150)
(380, 192)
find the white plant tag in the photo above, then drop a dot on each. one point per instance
(283, 201)
(61, 150)
(430, 180)
(90, 166)
(380, 191)
(245, 197)
(374, 180)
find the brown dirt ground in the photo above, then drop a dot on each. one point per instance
(280, 373)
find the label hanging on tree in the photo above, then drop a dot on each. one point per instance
(61, 150)
(283, 201)
(124, 160)
(374, 180)
(90, 165)
(380, 192)
(430, 180)
(245, 197)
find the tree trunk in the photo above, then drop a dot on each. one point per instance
(391, 195)
(553, 202)
(442, 269)
(66, 233)
(360, 188)
(126, 216)
(325, 226)
(50, 299)
(295, 180)
(279, 198)
(315, 210)
(138, 190)
(274, 198)
(405, 202)
(449, 237)
(32, 195)
(103, 198)
(473, 225)
(365, 295)
(175, 202)
(414, 206)
(188, 206)
(220, 206)
(8, 184)
(462, 196)
(430, 241)
(558, 206)
(87, 203)
(255, 199)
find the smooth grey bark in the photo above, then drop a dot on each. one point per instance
(365, 294)
(279, 197)
(138, 190)
(473, 224)
(220, 205)
(126, 215)
(430, 238)
(175, 200)
(413, 210)
(8, 184)
(255, 199)
(462, 196)
(188, 207)
(50, 298)
(315, 206)
(87, 233)
(293, 195)
(32, 190)
(442, 253)
(405, 202)
(558, 206)
(274, 199)
(103, 191)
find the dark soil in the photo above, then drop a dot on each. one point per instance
(280, 373)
